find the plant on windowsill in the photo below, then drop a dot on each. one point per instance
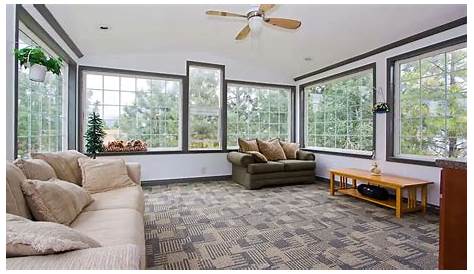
(36, 60)
(95, 135)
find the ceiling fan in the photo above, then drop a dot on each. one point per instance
(255, 17)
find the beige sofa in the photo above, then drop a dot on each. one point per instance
(114, 219)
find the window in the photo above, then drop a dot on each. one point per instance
(42, 106)
(205, 106)
(338, 112)
(135, 107)
(257, 112)
(430, 104)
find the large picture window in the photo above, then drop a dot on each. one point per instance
(430, 104)
(338, 112)
(135, 107)
(257, 112)
(41, 112)
(205, 106)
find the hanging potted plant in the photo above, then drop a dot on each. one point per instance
(380, 107)
(36, 60)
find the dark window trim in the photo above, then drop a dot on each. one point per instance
(21, 15)
(48, 16)
(373, 67)
(390, 137)
(450, 25)
(81, 112)
(292, 100)
(223, 114)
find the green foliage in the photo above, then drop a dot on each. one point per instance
(35, 55)
(95, 135)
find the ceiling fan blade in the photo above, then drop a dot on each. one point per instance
(266, 7)
(284, 23)
(224, 13)
(243, 33)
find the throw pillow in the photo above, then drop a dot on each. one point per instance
(64, 164)
(271, 149)
(100, 175)
(258, 157)
(247, 145)
(27, 238)
(55, 200)
(290, 149)
(36, 169)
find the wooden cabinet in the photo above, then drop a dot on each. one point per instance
(453, 216)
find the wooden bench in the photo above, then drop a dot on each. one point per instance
(398, 183)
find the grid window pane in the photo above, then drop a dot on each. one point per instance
(339, 113)
(134, 107)
(432, 105)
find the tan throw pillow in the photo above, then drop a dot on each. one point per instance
(36, 169)
(271, 149)
(258, 157)
(55, 200)
(27, 238)
(64, 164)
(99, 175)
(247, 145)
(290, 149)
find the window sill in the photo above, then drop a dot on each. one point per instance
(336, 153)
(132, 153)
(411, 161)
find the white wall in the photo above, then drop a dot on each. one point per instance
(10, 81)
(326, 162)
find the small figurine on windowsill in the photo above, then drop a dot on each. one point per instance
(375, 170)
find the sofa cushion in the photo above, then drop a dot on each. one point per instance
(271, 149)
(55, 200)
(127, 197)
(64, 164)
(99, 175)
(290, 149)
(35, 169)
(265, 167)
(294, 165)
(16, 203)
(27, 238)
(258, 157)
(247, 145)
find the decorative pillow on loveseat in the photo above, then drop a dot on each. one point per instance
(290, 149)
(247, 145)
(100, 175)
(258, 157)
(55, 200)
(271, 149)
(27, 238)
(35, 169)
(64, 164)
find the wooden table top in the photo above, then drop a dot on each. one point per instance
(382, 179)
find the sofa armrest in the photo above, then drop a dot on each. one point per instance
(240, 159)
(134, 172)
(305, 155)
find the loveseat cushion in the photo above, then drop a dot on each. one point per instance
(16, 203)
(127, 197)
(265, 167)
(294, 165)
(35, 169)
(64, 164)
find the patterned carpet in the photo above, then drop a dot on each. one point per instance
(220, 225)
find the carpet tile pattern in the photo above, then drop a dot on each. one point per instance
(221, 225)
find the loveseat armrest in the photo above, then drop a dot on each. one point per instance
(240, 159)
(134, 172)
(305, 155)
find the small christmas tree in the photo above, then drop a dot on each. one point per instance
(95, 135)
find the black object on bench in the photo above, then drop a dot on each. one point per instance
(372, 191)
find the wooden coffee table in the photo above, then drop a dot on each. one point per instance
(398, 183)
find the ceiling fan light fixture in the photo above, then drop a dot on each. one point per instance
(255, 24)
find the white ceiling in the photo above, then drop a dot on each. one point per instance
(329, 33)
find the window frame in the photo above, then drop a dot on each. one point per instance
(24, 18)
(292, 108)
(391, 90)
(122, 72)
(302, 118)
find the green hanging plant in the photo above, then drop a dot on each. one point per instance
(95, 135)
(30, 56)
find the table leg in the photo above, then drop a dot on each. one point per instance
(424, 198)
(354, 183)
(331, 183)
(398, 205)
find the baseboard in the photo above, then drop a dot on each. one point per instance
(186, 180)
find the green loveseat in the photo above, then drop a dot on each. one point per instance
(252, 175)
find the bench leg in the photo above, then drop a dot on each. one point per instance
(424, 198)
(331, 183)
(398, 205)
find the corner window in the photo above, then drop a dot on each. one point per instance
(42, 106)
(205, 107)
(338, 114)
(430, 104)
(257, 112)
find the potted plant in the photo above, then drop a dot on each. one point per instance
(36, 60)
(381, 108)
